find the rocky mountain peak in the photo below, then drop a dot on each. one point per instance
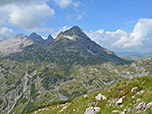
(76, 29)
(74, 33)
(49, 38)
(38, 39)
(34, 36)
(21, 36)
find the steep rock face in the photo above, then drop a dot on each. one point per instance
(39, 40)
(76, 34)
(70, 47)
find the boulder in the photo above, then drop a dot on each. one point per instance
(134, 88)
(99, 96)
(133, 97)
(137, 100)
(86, 96)
(46, 109)
(129, 110)
(39, 110)
(122, 113)
(140, 92)
(97, 109)
(149, 105)
(115, 111)
(104, 97)
(92, 110)
(120, 101)
(63, 108)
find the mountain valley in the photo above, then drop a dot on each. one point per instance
(36, 72)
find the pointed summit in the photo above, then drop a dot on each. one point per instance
(75, 30)
(49, 38)
(73, 34)
(38, 39)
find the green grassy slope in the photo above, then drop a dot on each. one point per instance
(26, 86)
(113, 94)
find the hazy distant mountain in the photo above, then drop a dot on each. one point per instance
(71, 47)
(137, 56)
(16, 44)
(125, 53)
(19, 42)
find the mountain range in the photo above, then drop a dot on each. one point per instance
(72, 46)
(20, 41)
(36, 72)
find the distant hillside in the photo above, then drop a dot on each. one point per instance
(137, 56)
(28, 86)
(128, 97)
(125, 53)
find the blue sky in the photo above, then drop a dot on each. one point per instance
(119, 25)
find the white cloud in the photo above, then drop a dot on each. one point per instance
(76, 4)
(140, 34)
(142, 31)
(6, 33)
(30, 16)
(6, 2)
(66, 3)
(63, 3)
(97, 35)
(64, 28)
(25, 14)
(117, 33)
(79, 17)
(40, 29)
(139, 39)
(119, 37)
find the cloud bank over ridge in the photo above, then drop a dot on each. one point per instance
(139, 39)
